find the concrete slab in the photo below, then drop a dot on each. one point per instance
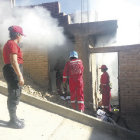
(43, 125)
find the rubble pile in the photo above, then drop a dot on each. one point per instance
(28, 89)
(36, 91)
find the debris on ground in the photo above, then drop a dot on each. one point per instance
(35, 90)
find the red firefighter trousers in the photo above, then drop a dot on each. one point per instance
(76, 91)
(106, 98)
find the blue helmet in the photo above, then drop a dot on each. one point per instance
(73, 54)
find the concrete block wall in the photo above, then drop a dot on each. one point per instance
(36, 66)
(129, 83)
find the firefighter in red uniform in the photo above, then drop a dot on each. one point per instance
(12, 72)
(74, 71)
(105, 88)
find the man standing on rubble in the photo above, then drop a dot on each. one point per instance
(105, 88)
(12, 72)
(59, 67)
(74, 71)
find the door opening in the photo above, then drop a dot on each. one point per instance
(111, 61)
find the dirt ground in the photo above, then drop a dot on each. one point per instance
(32, 88)
(35, 90)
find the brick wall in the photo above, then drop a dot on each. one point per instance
(129, 82)
(36, 66)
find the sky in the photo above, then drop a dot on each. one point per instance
(39, 31)
(67, 6)
(70, 6)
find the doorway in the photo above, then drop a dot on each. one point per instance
(111, 61)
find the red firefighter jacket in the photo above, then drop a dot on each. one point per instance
(73, 70)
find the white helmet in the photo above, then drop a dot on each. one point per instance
(73, 54)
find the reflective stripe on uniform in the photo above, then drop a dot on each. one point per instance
(64, 76)
(75, 61)
(80, 102)
(105, 106)
(73, 101)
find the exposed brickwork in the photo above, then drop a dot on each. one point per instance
(36, 66)
(129, 82)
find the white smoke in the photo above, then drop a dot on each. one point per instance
(103, 59)
(40, 28)
(127, 14)
(83, 17)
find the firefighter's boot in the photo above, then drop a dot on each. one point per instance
(17, 124)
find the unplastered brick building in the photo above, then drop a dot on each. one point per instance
(38, 66)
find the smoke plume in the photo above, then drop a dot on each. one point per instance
(40, 28)
(127, 14)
